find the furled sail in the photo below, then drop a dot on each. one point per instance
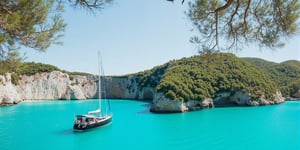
(97, 111)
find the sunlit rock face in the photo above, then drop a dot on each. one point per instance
(58, 85)
(46, 86)
(8, 92)
(42, 86)
(165, 105)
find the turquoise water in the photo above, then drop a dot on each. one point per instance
(48, 125)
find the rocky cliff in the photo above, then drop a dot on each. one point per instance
(46, 86)
(58, 85)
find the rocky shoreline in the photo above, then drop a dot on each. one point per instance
(240, 98)
(58, 86)
(292, 99)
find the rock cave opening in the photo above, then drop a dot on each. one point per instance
(148, 95)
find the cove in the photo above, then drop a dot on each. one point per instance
(48, 125)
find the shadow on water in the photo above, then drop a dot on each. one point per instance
(74, 132)
(71, 131)
(66, 131)
(146, 110)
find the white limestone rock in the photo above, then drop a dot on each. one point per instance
(164, 105)
(44, 86)
(8, 92)
(196, 105)
(74, 93)
(278, 98)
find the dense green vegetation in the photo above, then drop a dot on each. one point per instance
(151, 78)
(205, 75)
(26, 68)
(286, 74)
(31, 68)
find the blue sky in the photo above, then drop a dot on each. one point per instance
(133, 36)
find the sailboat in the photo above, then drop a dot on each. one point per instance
(94, 118)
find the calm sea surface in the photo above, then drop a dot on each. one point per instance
(48, 126)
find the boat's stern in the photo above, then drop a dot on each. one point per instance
(80, 122)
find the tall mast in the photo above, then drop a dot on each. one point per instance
(99, 81)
